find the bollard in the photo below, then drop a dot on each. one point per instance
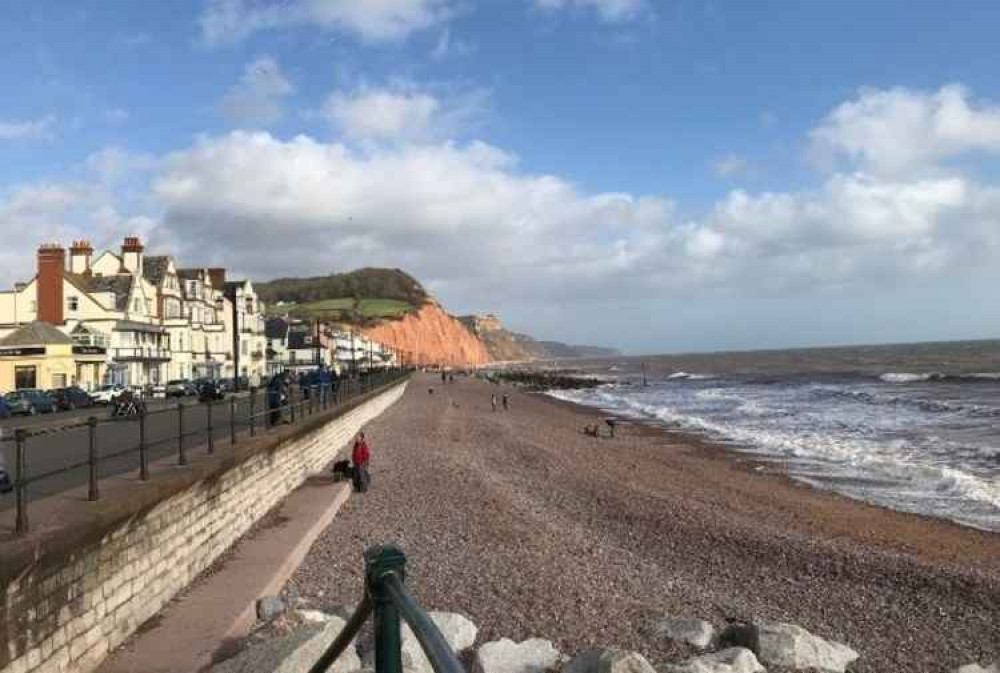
(181, 454)
(143, 449)
(208, 422)
(381, 561)
(232, 420)
(94, 493)
(21, 458)
(253, 394)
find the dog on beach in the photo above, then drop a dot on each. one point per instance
(342, 470)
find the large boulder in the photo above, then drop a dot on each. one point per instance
(696, 632)
(505, 656)
(793, 647)
(976, 668)
(293, 653)
(609, 661)
(457, 629)
(730, 660)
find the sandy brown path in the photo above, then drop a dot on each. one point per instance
(534, 529)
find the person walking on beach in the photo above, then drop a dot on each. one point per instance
(360, 456)
(493, 401)
(505, 402)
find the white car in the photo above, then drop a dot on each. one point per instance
(107, 394)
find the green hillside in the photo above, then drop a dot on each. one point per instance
(358, 297)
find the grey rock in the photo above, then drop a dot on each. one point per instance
(976, 668)
(793, 647)
(270, 607)
(458, 631)
(696, 632)
(505, 656)
(730, 660)
(609, 661)
(293, 653)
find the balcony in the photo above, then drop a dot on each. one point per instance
(142, 354)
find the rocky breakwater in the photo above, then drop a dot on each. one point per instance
(756, 646)
(431, 336)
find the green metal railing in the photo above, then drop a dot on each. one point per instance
(386, 596)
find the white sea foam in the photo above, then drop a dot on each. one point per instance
(906, 377)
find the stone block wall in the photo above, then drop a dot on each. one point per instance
(69, 616)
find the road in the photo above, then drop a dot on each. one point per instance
(55, 448)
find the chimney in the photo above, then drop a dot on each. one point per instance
(218, 278)
(79, 257)
(49, 290)
(132, 255)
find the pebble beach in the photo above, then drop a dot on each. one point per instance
(534, 529)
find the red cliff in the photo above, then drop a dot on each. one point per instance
(431, 336)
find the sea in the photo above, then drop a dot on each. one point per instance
(911, 427)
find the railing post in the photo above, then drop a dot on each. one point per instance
(291, 401)
(208, 422)
(253, 394)
(94, 492)
(312, 399)
(21, 486)
(381, 561)
(232, 419)
(143, 452)
(181, 454)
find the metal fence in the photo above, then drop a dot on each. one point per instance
(386, 596)
(91, 449)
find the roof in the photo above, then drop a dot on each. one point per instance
(191, 274)
(275, 328)
(37, 333)
(119, 286)
(155, 268)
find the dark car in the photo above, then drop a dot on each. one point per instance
(30, 401)
(209, 391)
(71, 398)
(4, 409)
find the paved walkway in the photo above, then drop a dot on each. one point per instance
(206, 622)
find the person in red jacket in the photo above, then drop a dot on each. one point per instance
(360, 456)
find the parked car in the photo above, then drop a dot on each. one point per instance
(29, 402)
(209, 391)
(106, 394)
(180, 388)
(4, 409)
(156, 390)
(71, 398)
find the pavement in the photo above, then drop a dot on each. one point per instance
(205, 624)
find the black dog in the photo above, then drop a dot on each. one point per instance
(342, 470)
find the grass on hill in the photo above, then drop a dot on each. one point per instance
(345, 309)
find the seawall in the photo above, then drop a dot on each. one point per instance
(72, 596)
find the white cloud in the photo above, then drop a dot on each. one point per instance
(449, 46)
(902, 131)
(256, 100)
(402, 113)
(611, 11)
(227, 21)
(731, 166)
(39, 129)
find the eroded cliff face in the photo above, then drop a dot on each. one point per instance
(431, 336)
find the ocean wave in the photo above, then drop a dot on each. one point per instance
(909, 377)
(685, 376)
(906, 377)
(882, 399)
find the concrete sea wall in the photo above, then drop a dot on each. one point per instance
(67, 612)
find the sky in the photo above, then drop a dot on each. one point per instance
(654, 175)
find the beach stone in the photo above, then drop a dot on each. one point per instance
(458, 630)
(505, 656)
(792, 646)
(976, 668)
(314, 616)
(696, 632)
(609, 661)
(293, 653)
(270, 607)
(730, 660)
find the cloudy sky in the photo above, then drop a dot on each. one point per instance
(658, 175)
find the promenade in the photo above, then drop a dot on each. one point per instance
(531, 528)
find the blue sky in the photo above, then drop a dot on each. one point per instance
(709, 172)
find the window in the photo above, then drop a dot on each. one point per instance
(58, 380)
(243, 347)
(136, 303)
(24, 377)
(73, 304)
